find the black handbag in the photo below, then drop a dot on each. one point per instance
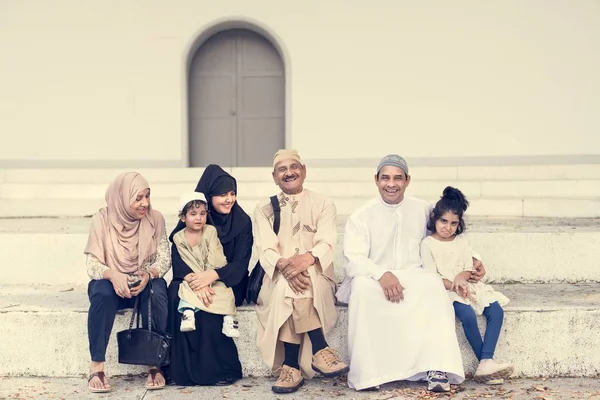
(143, 346)
(258, 273)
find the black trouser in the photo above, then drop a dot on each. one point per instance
(104, 304)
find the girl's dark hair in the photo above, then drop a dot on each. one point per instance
(454, 201)
(190, 205)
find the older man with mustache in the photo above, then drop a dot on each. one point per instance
(296, 305)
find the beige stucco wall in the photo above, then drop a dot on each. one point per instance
(105, 80)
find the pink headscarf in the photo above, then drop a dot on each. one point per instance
(116, 238)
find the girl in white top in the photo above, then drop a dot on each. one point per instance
(447, 251)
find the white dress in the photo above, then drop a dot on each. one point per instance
(395, 341)
(451, 258)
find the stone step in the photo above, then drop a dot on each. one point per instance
(492, 206)
(509, 191)
(425, 189)
(549, 331)
(50, 250)
(345, 174)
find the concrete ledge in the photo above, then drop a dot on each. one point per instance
(549, 330)
(527, 168)
(571, 190)
(508, 207)
(513, 250)
(427, 189)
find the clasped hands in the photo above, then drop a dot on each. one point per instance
(294, 270)
(200, 283)
(121, 281)
(461, 287)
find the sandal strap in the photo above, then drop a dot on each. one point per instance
(99, 374)
(153, 372)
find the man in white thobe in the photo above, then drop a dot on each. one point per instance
(401, 324)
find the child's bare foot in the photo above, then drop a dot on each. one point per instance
(155, 379)
(98, 383)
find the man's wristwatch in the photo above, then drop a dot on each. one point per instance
(314, 257)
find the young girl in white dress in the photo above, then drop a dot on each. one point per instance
(447, 252)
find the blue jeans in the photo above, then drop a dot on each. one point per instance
(104, 304)
(494, 315)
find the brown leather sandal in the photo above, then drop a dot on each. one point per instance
(153, 372)
(100, 375)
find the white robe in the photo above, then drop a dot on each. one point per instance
(449, 259)
(395, 341)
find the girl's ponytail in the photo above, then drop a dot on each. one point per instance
(454, 196)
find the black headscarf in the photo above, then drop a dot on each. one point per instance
(213, 182)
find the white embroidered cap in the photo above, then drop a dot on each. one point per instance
(190, 196)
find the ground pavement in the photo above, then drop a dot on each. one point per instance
(131, 387)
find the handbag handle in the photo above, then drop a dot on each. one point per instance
(276, 214)
(150, 293)
(136, 310)
(133, 314)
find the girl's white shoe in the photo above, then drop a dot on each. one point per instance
(188, 321)
(230, 327)
(493, 373)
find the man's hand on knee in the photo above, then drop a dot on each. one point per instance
(300, 283)
(478, 271)
(392, 289)
(297, 265)
(282, 264)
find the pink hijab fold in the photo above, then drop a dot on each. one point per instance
(116, 238)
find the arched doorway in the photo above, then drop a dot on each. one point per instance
(236, 101)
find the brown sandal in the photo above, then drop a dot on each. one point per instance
(153, 372)
(100, 375)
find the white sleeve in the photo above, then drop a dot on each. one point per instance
(266, 241)
(427, 257)
(356, 252)
(474, 254)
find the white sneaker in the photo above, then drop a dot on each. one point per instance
(230, 326)
(188, 321)
(489, 371)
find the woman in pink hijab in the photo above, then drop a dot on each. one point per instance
(127, 247)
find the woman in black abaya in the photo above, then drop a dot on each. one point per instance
(206, 356)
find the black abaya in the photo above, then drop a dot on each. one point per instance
(206, 356)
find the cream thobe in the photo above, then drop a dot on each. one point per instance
(395, 341)
(451, 258)
(207, 255)
(308, 223)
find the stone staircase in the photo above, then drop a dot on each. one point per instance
(506, 191)
(537, 229)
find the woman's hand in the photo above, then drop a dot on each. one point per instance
(120, 283)
(206, 295)
(144, 279)
(201, 280)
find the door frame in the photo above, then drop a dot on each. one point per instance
(198, 40)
